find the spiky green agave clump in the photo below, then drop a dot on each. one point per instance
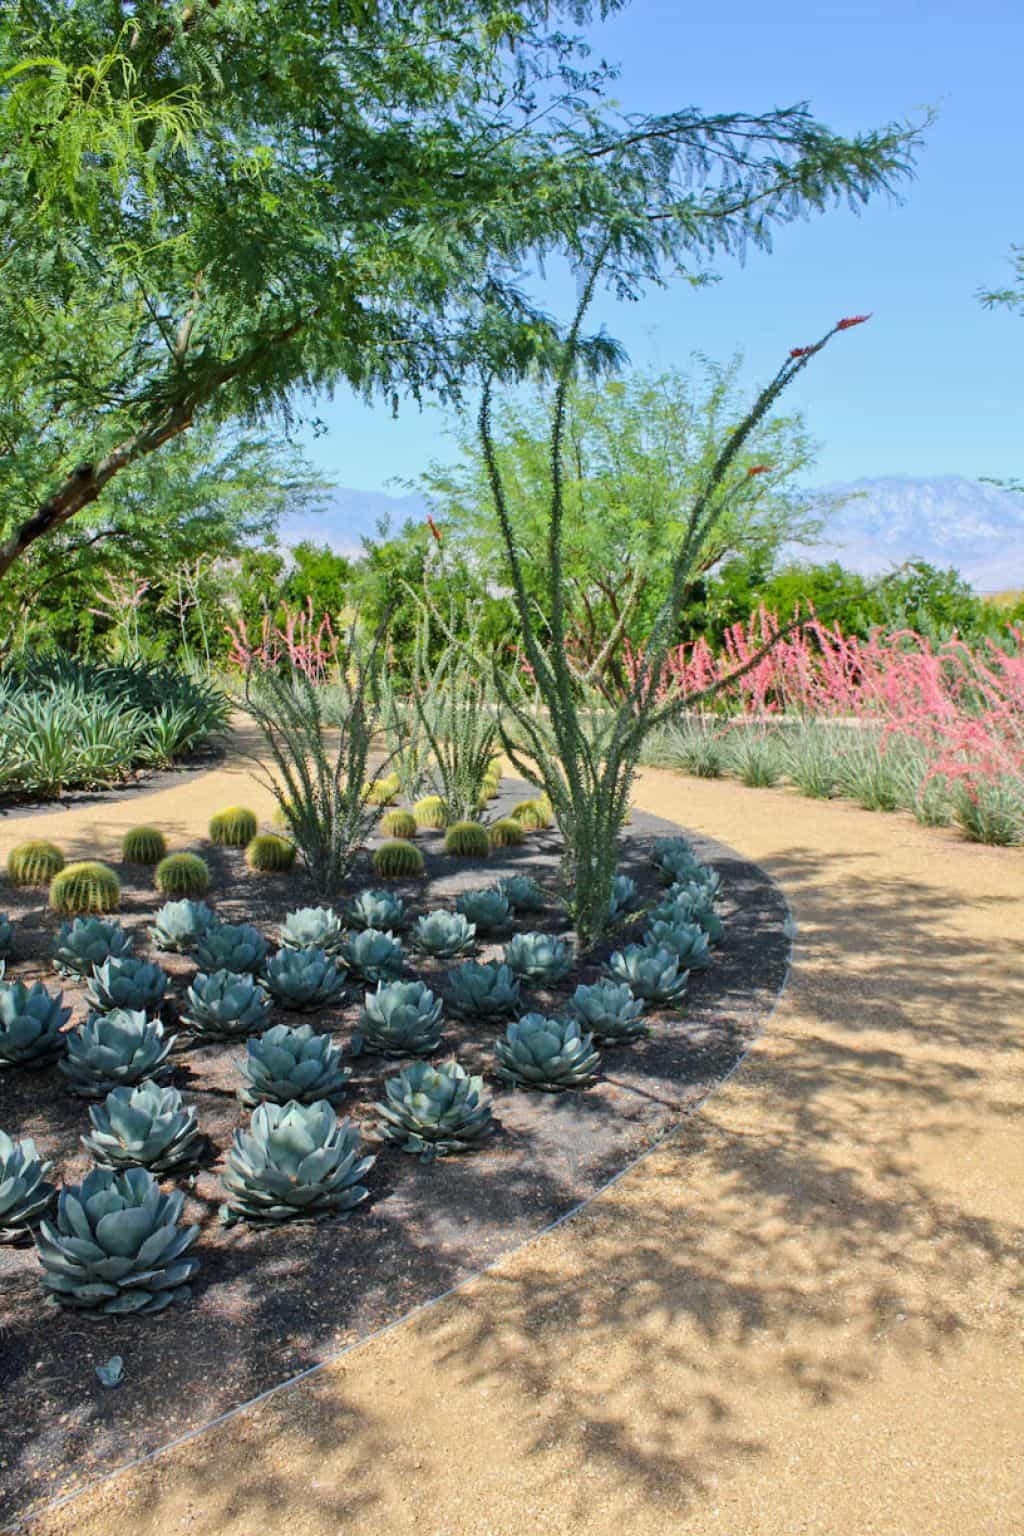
(86, 942)
(234, 827)
(402, 1018)
(179, 925)
(443, 934)
(376, 909)
(398, 861)
(402, 824)
(24, 1193)
(34, 863)
(303, 979)
(126, 983)
(182, 875)
(269, 854)
(505, 833)
(31, 1021)
(296, 1162)
(432, 1110)
(538, 957)
(143, 845)
(383, 791)
(467, 840)
(88, 887)
(144, 1126)
(116, 1245)
(549, 1054)
(284, 1064)
(312, 928)
(225, 1006)
(487, 909)
(237, 947)
(430, 813)
(609, 1010)
(651, 974)
(483, 990)
(113, 1049)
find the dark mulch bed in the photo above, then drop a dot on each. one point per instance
(268, 1304)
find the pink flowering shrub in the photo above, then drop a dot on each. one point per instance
(310, 646)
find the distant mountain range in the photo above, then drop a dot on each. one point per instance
(947, 520)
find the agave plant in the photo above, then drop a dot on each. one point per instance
(549, 1054)
(116, 1245)
(145, 1126)
(522, 893)
(226, 1006)
(24, 1192)
(623, 896)
(487, 909)
(376, 909)
(443, 934)
(609, 1010)
(650, 974)
(672, 850)
(285, 1064)
(179, 925)
(303, 978)
(237, 947)
(31, 1021)
(689, 904)
(687, 941)
(312, 928)
(296, 1162)
(372, 955)
(86, 942)
(483, 991)
(127, 983)
(538, 957)
(434, 1110)
(402, 1018)
(111, 1049)
(6, 937)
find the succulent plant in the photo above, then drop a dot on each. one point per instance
(483, 991)
(623, 895)
(6, 938)
(303, 979)
(89, 941)
(113, 1049)
(402, 1018)
(269, 854)
(467, 840)
(126, 983)
(179, 925)
(182, 874)
(143, 845)
(687, 941)
(296, 1162)
(443, 934)
(234, 827)
(398, 861)
(372, 955)
(30, 1024)
(86, 887)
(434, 1110)
(487, 909)
(533, 815)
(609, 1010)
(284, 1064)
(312, 928)
(399, 824)
(506, 833)
(549, 1054)
(116, 1245)
(382, 791)
(145, 1126)
(430, 813)
(705, 879)
(522, 893)
(538, 957)
(691, 904)
(34, 863)
(237, 947)
(675, 859)
(650, 974)
(225, 1006)
(376, 909)
(24, 1193)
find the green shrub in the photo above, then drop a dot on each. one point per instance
(398, 861)
(269, 854)
(234, 827)
(83, 888)
(506, 833)
(430, 813)
(755, 757)
(467, 840)
(989, 812)
(143, 845)
(182, 874)
(399, 824)
(34, 863)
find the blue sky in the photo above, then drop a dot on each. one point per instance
(935, 384)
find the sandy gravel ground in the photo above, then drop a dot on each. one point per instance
(801, 1317)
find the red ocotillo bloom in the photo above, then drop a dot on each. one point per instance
(435, 530)
(844, 325)
(759, 469)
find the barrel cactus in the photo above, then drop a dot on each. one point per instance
(312, 928)
(179, 925)
(296, 1162)
(284, 1064)
(24, 1193)
(487, 909)
(609, 1010)
(687, 941)
(34, 863)
(237, 947)
(182, 874)
(533, 815)
(145, 1126)
(549, 1054)
(401, 824)
(116, 1245)
(623, 897)
(483, 991)
(372, 955)
(87, 942)
(127, 983)
(430, 813)
(383, 790)
(143, 845)
(434, 1110)
(113, 1049)
(538, 957)
(402, 1018)
(505, 833)
(225, 1006)
(467, 840)
(522, 893)
(303, 979)
(376, 909)
(269, 854)
(653, 975)
(443, 934)
(233, 827)
(86, 887)
(31, 1021)
(398, 860)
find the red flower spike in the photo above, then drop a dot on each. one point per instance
(801, 351)
(435, 530)
(844, 325)
(759, 469)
